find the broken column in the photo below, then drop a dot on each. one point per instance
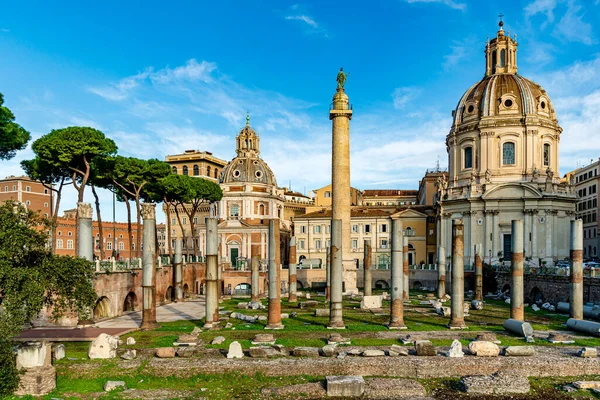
(457, 318)
(293, 286)
(85, 238)
(254, 270)
(328, 274)
(576, 303)
(34, 360)
(178, 270)
(148, 267)
(212, 273)
(441, 288)
(406, 278)
(517, 308)
(336, 320)
(368, 259)
(274, 316)
(478, 274)
(397, 288)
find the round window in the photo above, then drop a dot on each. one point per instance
(237, 173)
(258, 174)
(508, 103)
(470, 109)
(543, 105)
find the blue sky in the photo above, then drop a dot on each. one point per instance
(162, 77)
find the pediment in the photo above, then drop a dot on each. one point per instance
(511, 191)
(408, 213)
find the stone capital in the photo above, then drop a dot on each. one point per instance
(84, 210)
(487, 133)
(148, 211)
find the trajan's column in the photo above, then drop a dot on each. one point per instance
(340, 114)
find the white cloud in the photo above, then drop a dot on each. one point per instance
(303, 18)
(545, 7)
(4, 30)
(460, 50)
(403, 95)
(298, 12)
(572, 28)
(450, 3)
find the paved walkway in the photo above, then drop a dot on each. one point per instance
(190, 309)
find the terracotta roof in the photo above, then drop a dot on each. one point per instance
(388, 192)
(297, 194)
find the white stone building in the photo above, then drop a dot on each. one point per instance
(503, 165)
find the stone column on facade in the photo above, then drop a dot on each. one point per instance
(468, 245)
(328, 274)
(441, 288)
(457, 318)
(576, 306)
(478, 274)
(406, 279)
(340, 115)
(254, 270)
(448, 231)
(336, 320)
(534, 226)
(293, 286)
(85, 237)
(178, 270)
(397, 287)
(148, 267)
(487, 244)
(367, 261)
(548, 229)
(495, 233)
(212, 273)
(274, 315)
(517, 309)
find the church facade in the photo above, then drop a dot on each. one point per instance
(503, 164)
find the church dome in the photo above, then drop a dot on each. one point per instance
(247, 167)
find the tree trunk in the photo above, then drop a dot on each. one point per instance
(181, 226)
(100, 232)
(168, 235)
(138, 238)
(129, 233)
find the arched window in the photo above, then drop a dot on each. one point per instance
(208, 171)
(502, 58)
(468, 154)
(494, 61)
(196, 170)
(546, 155)
(216, 173)
(508, 153)
(261, 209)
(185, 170)
(174, 170)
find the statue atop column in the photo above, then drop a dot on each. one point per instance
(341, 78)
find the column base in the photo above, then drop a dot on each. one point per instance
(292, 299)
(396, 327)
(455, 326)
(336, 327)
(148, 326)
(274, 327)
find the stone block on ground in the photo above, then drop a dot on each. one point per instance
(196, 330)
(444, 311)
(256, 306)
(186, 352)
(373, 353)
(262, 352)
(186, 340)
(280, 349)
(482, 348)
(519, 351)
(131, 341)
(456, 350)
(322, 312)
(369, 302)
(112, 385)
(242, 306)
(560, 338)
(235, 350)
(354, 352)
(477, 304)
(345, 386)
(165, 352)
(329, 350)
(263, 339)
(308, 304)
(104, 346)
(37, 381)
(396, 351)
(393, 388)
(487, 337)
(306, 351)
(588, 352)
(586, 385)
(129, 354)
(424, 348)
(336, 338)
(218, 340)
(58, 352)
(497, 384)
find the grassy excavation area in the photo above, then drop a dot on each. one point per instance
(206, 372)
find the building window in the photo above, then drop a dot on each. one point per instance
(317, 229)
(261, 209)
(354, 228)
(383, 228)
(468, 153)
(195, 220)
(121, 245)
(109, 236)
(173, 221)
(502, 58)
(28, 188)
(59, 233)
(185, 170)
(367, 228)
(327, 195)
(327, 229)
(384, 243)
(174, 170)
(69, 244)
(109, 245)
(301, 244)
(234, 210)
(217, 173)
(303, 229)
(70, 233)
(28, 202)
(184, 221)
(59, 243)
(317, 244)
(45, 204)
(196, 170)
(208, 171)
(354, 244)
(45, 191)
(6, 188)
(546, 155)
(508, 153)
(14, 187)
